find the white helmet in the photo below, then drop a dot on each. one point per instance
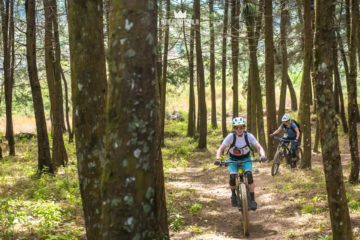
(285, 118)
(238, 121)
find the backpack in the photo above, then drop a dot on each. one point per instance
(296, 123)
(246, 141)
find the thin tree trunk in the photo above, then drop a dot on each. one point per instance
(338, 87)
(284, 60)
(200, 69)
(67, 109)
(54, 81)
(164, 73)
(7, 15)
(269, 78)
(305, 98)
(44, 158)
(339, 212)
(293, 97)
(212, 65)
(192, 107)
(352, 95)
(58, 63)
(129, 181)
(223, 70)
(235, 6)
(317, 137)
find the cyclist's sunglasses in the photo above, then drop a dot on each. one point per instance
(240, 127)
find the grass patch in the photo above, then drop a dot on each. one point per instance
(38, 208)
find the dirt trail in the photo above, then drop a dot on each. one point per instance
(277, 217)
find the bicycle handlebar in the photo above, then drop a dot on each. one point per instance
(227, 163)
(283, 139)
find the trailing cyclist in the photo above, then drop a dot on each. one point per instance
(239, 144)
(291, 132)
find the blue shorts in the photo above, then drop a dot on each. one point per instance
(246, 165)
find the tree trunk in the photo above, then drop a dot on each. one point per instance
(352, 95)
(58, 63)
(52, 66)
(293, 97)
(44, 158)
(269, 78)
(67, 109)
(201, 76)
(212, 65)
(223, 70)
(164, 73)
(130, 182)
(323, 62)
(190, 57)
(7, 15)
(305, 98)
(235, 6)
(338, 87)
(254, 99)
(317, 137)
(284, 58)
(88, 69)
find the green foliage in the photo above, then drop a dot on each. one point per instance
(326, 237)
(310, 209)
(176, 222)
(195, 208)
(38, 208)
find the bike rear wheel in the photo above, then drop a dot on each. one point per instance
(276, 163)
(245, 208)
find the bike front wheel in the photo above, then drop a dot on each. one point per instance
(276, 164)
(245, 208)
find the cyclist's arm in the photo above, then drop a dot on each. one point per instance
(260, 149)
(277, 131)
(220, 151)
(297, 134)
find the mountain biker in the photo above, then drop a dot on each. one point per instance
(291, 132)
(240, 143)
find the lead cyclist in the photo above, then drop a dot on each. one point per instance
(239, 150)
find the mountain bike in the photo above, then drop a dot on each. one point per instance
(242, 192)
(283, 152)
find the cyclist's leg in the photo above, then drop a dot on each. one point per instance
(294, 146)
(233, 172)
(247, 166)
(293, 149)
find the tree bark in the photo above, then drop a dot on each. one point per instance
(352, 95)
(284, 58)
(212, 65)
(52, 67)
(44, 158)
(192, 107)
(223, 69)
(164, 73)
(269, 78)
(338, 87)
(305, 93)
(235, 6)
(88, 69)
(200, 70)
(130, 182)
(7, 15)
(323, 63)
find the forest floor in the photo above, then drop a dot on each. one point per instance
(292, 205)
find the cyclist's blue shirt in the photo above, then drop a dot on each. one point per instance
(290, 131)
